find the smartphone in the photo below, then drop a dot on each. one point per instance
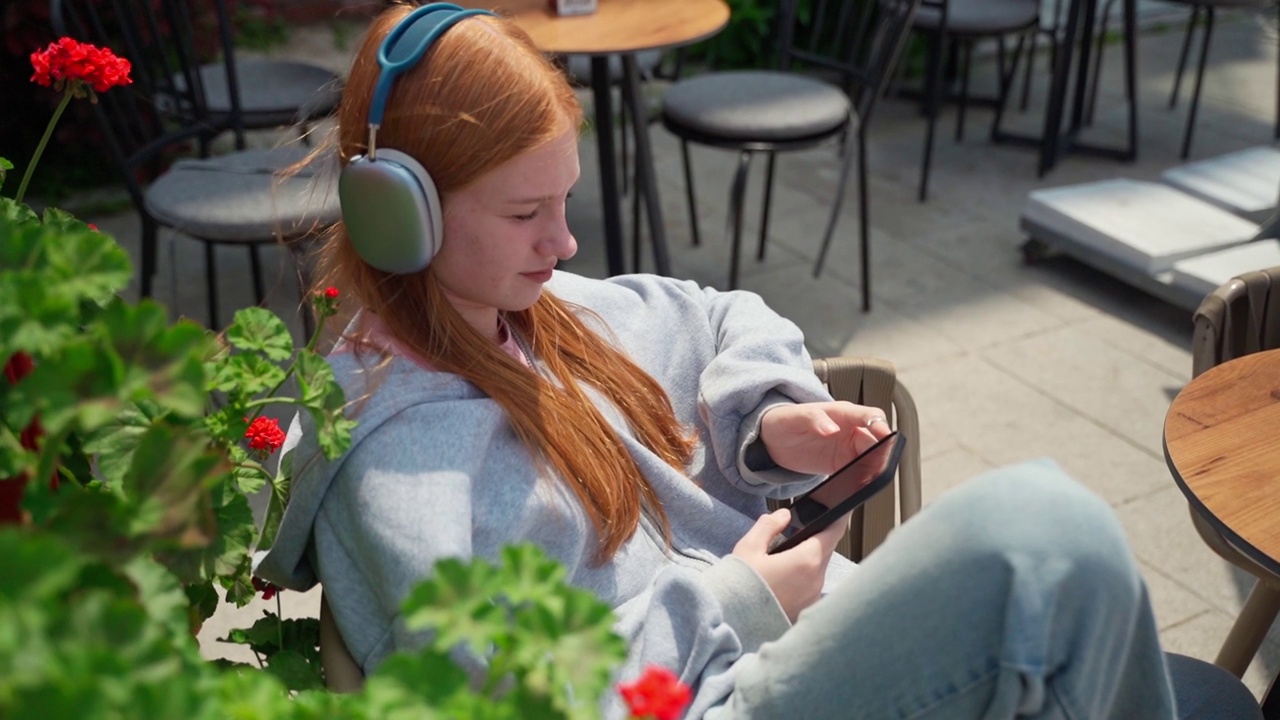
(842, 492)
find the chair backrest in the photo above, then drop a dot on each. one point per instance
(858, 41)
(865, 381)
(1240, 317)
(165, 106)
(874, 383)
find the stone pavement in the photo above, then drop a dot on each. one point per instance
(1006, 361)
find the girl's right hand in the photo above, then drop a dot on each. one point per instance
(795, 576)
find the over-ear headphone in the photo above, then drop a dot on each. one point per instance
(389, 202)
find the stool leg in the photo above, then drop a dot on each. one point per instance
(1250, 628)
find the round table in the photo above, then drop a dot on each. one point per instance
(1222, 444)
(624, 28)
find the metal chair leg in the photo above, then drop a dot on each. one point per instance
(149, 248)
(1182, 55)
(737, 196)
(768, 200)
(211, 286)
(688, 190)
(1007, 79)
(966, 61)
(1195, 93)
(255, 266)
(636, 199)
(933, 87)
(864, 217)
(1098, 57)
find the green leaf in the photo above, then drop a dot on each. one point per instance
(114, 443)
(37, 567)
(295, 671)
(246, 375)
(168, 486)
(160, 594)
(257, 329)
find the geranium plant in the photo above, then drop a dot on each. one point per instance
(129, 446)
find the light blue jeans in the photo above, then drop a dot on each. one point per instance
(1015, 595)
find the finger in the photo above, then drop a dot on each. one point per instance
(766, 529)
(830, 536)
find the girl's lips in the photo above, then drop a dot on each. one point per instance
(540, 276)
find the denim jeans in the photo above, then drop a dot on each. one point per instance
(1015, 595)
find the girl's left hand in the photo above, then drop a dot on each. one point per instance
(822, 437)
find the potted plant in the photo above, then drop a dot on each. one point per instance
(129, 446)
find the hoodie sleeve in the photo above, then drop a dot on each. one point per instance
(753, 359)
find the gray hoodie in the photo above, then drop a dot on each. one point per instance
(435, 471)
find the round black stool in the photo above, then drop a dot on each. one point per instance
(1205, 691)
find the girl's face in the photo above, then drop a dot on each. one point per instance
(505, 232)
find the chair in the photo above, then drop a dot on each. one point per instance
(862, 380)
(261, 93)
(1240, 317)
(854, 45)
(964, 23)
(235, 199)
(1206, 9)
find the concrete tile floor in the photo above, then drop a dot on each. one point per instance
(1007, 361)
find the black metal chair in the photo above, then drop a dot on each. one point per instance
(963, 23)
(235, 199)
(851, 48)
(263, 93)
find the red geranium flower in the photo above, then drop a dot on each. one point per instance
(331, 293)
(66, 60)
(267, 589)
(265, 434)
(657, 694)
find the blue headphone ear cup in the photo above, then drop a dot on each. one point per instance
(391, 211)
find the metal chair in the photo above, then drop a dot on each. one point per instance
(853, 47)
(236, 199)
(262, 93)
(964, 23)
(1240, 317)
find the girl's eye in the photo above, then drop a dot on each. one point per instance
(530, 216)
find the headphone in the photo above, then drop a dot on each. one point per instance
(389, 202)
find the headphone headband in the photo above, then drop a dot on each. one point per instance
(407, 42)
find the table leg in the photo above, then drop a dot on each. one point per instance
(646, 180)
(609, 199)
(1058, 90)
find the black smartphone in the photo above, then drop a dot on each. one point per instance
(842, 492)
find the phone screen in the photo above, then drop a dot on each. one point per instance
(842, 492)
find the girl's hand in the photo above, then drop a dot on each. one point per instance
(795, 576)
(822, 437)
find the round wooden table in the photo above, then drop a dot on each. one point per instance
(624, 28)
(1222, 444)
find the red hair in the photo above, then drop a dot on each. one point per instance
(482, 96)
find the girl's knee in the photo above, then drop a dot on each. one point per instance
(1035, 509)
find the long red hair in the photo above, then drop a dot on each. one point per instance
(481, 96)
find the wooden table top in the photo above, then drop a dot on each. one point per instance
(1222, 443)
(617, 26)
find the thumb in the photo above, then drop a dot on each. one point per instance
(766, 528)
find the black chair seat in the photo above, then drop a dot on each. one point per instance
(231, 198)
(980, 17)
(272, 92)
(756, 106)
(1205, 691)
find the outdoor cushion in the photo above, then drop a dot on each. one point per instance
(980, 17)
(1205, 273)
(759, 105)
(1142, 225)
(1246, 182)
(233, 197)
(271, 91)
